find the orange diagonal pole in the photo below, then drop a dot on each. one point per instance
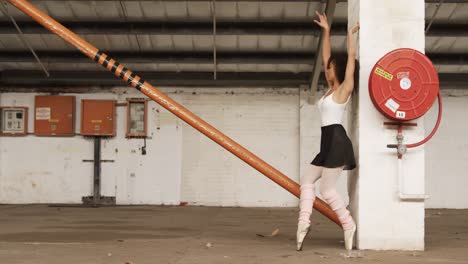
(183, 113)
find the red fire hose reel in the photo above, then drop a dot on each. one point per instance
(403, 86)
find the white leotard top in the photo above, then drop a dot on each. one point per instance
(330, 111)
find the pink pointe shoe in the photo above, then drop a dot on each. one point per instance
(302, 231)
(349, 237)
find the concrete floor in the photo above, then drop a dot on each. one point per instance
(153, 234)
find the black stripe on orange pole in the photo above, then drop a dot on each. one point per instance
(171, 105)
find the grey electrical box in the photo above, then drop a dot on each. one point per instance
(13, 121)
(136, 117)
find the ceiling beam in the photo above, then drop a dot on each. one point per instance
(448, 30)
(303, 1)
(206, 28)
(183, 57)
(199, 79)
(12, 79)
(200, 57)
(299, 1)
(177, 28)
(447, 1)
(448, 58)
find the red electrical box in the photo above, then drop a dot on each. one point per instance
(97, 117)
(54, 115)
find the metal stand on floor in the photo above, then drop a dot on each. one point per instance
(96, 199)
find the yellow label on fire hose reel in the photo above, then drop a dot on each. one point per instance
(383, 73)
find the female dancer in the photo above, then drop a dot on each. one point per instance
(336, 150)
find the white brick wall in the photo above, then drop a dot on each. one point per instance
(447, 153)
(183, 165)
(265, 122)
(50, 169)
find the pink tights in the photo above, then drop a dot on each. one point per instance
(327, 189)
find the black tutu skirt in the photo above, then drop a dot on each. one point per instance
(336, 149)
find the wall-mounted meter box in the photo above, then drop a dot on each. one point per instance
(98, 117)
(13, 121)
(54, 115)
(136, 117)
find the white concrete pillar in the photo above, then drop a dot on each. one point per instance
(384, 221)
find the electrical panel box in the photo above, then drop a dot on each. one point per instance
(97, 117)
(13, 121)
(136, 117)
(54, 116)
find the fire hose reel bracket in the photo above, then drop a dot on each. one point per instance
(403, 86)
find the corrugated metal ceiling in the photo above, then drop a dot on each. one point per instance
(177, 10)
(189, 11)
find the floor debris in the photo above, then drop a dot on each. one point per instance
(352, 254)
(275, 232)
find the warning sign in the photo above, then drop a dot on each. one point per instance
(383, 73)
(402, 75)
(392, 105)
(43, 113)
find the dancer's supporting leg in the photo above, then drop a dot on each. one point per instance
(307, 198)
(329, 193)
